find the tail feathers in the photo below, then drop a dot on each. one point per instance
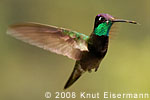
(77, 72)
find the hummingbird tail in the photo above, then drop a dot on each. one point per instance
(77, 72)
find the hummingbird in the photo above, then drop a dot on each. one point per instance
(87, 51)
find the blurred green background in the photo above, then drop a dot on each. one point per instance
(27, 72)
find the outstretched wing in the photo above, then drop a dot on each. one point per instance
(59, 40)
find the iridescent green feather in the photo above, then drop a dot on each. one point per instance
(76, 35)
(103, 29)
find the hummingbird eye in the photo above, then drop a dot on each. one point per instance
(101, 18)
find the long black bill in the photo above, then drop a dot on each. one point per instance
(126, 21)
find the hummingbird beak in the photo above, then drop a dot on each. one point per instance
(126, 21)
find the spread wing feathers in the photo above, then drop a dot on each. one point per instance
(58, 40)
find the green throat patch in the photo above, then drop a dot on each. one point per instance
(103, 29)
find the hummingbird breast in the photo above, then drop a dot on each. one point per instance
(97, 47)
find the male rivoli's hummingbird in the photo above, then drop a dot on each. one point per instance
(88, 51)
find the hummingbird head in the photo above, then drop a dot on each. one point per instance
(103, 23)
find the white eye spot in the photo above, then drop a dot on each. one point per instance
(107, 21)
(100, 18)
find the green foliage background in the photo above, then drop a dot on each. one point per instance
(27, 72)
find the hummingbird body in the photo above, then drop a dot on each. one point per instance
(91, 59)
(88, 51)
(97, 47)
